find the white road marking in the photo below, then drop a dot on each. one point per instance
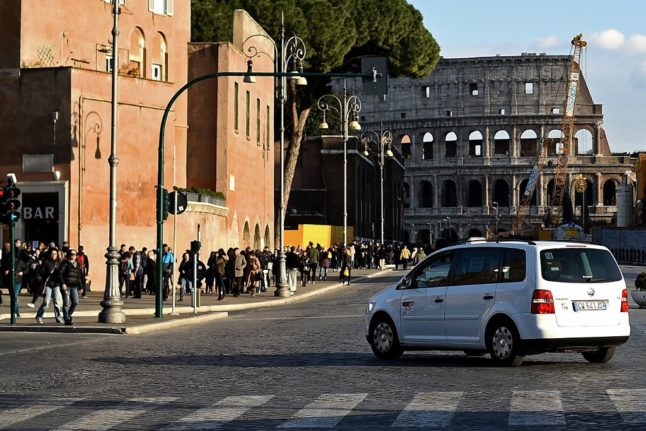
(429, 409)
(630, 403)
(325, 412)
(19, 414)
(214, 417)
(536, 408)
(104, 419)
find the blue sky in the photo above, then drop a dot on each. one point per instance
(614, 63)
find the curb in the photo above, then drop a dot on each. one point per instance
(152, 327)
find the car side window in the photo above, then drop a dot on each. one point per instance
(513, 266)
(435, 272)
(477, 266)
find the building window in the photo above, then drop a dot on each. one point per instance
(248, 115)
(449, 113)
(556, 111)
(473, 89)
(235, 107)
(403, 115)
(427, 92)
(529, 88)
(161, 7)
(109, 61)
(501, 111)
(258, 121)
(156, 72)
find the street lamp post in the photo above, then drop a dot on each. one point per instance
(384, 140)
(495, 207)
(111, 304)
(348, 109)
(293, 50)
(580, 184)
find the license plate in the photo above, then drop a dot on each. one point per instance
(589, 305)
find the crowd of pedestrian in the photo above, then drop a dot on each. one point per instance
(60, 275)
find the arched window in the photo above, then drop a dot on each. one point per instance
(426, 194)
(610, 193)
(553, 142)
(501, 143)
(451, 145)
(405, 146)
(528, 143)
(475, 233)
(428, 146)
(501, 193)
(475, 144)
(583, 141)
(475, 194)
(256, 238)
(449, 194)
(159, 58)
(246, 235)
(137, 54)
(267, 237)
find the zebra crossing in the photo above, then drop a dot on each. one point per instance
(432, 409)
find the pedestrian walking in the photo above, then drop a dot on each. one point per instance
(52, 287)
(71, 282)
(345, 271)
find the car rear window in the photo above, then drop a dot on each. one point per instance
(579, 265)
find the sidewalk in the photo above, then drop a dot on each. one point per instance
(140, 313)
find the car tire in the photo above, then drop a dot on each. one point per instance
(601, 355)
(384, 340)
(503, 343)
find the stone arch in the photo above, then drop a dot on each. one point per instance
(475, 144)
(426, 194)
(528, 143)
(427, 154)
(583, 199)
(449, 194)
(405, 145)
(475, 194)
(267, 236)
(521, 191)
(137, 53)
(610, 192)
(583, 140)
(473, 232)
(501, 143)
(450, 145)
(256, 238)
(553, 142)
(246, 235)
(159, 57)
(549, 191)
(501, 193)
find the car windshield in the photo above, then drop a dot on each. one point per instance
(579, 265)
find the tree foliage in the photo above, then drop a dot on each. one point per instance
(337, 33)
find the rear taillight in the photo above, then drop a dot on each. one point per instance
(542, 302)
(624, 301)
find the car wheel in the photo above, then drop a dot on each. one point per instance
(384, 340)
(601, 355)
(503, 344)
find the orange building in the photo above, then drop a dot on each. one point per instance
(55, 105)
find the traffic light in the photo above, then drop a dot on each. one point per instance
(9, 204)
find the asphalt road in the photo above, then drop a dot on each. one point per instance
(305, 366)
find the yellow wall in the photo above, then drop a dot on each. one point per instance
(322, 234)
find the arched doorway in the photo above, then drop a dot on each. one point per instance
(475, 194)
(449, 194)
(501, 193)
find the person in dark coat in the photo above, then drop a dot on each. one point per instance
(71, 275)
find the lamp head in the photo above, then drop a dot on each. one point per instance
(389, 152)
(354, 125)
(365, 152)
(248, 78)
(324, 125)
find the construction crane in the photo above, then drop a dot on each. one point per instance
(567, 126)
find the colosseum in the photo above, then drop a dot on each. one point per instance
(470, 133)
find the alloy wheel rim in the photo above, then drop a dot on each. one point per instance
(383, 337)
(503, 342)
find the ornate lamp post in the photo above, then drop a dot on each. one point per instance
(291, 51)
(112, 312)
(348, 109)
(383, 139)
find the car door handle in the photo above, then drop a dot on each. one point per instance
(488, 296)
(408, 303)
(439, 299)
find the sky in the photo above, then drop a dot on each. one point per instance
(614, 63)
